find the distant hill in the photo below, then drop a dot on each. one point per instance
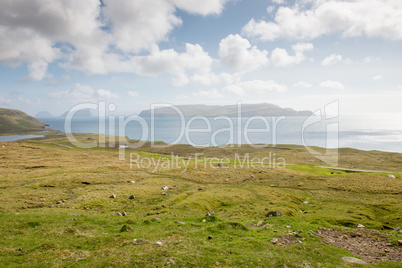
(84, 113)
(247, 110)
(44, 114)
(15, 121)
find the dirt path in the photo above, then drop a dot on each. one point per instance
(358, 170)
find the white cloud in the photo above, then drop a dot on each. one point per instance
(281, 58)
(212, 93)
(331, 60)
(136, 25)
(237, 54)
(57, 82)
(133, 93)
(335, 59)
(302, 84)
(258, 86)
(377, 78)
(279, 2)
(332, 84)
(368, 59)
(306, 21)
(202, 7)
(270, 9)
(106, 94)
(84, 93)
(96, 39)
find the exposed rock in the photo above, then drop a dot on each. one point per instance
(353, 260)
(165, 188)
(274, 214)
(209, 213)
(399, 242)
(204, 220)
(361, 226)
(260, 223)
(391, 176)
(275, 240)
(159, 243)
(119, 214)
(132, 197)
(112, 196)
(397, 229)
(139, 241)
(132, 181)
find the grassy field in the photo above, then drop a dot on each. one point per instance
(57, 211)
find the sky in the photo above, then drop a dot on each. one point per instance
(302, 54)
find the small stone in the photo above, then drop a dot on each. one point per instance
(274, 214)
(391, 176)
(165, 188)
(163, 193)
(399, 242)
(58, 202)
(159, 243)
(252, 176)
(397, 229)
(132, 181)
(209, 213)
(220, 165)
(344, 237)
(112, 196)
(204, 220)
(210, 237)
(353, 260)
(361, 226)
(180, 222)
(63, 201)
(157, 219)
(260, 223)
(139, 241)
(124, 213)
(119, 214)
(132, 197)
(275, 241)
(288, 226)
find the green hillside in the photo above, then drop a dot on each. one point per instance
(15, 122)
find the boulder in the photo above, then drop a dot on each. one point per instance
(353, 260)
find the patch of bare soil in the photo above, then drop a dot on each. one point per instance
(370, 245)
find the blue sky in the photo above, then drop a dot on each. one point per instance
(302, 54)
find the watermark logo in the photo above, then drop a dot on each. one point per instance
(237, 130)
(327, 115)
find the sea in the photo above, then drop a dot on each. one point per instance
(364, 132)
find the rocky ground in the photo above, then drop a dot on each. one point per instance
(370, 245)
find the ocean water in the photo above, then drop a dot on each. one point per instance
(8, 138)
(368, 132)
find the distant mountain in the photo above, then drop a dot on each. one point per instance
(84, 113)
(247, 110)
(44, 114)
(15, 121)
